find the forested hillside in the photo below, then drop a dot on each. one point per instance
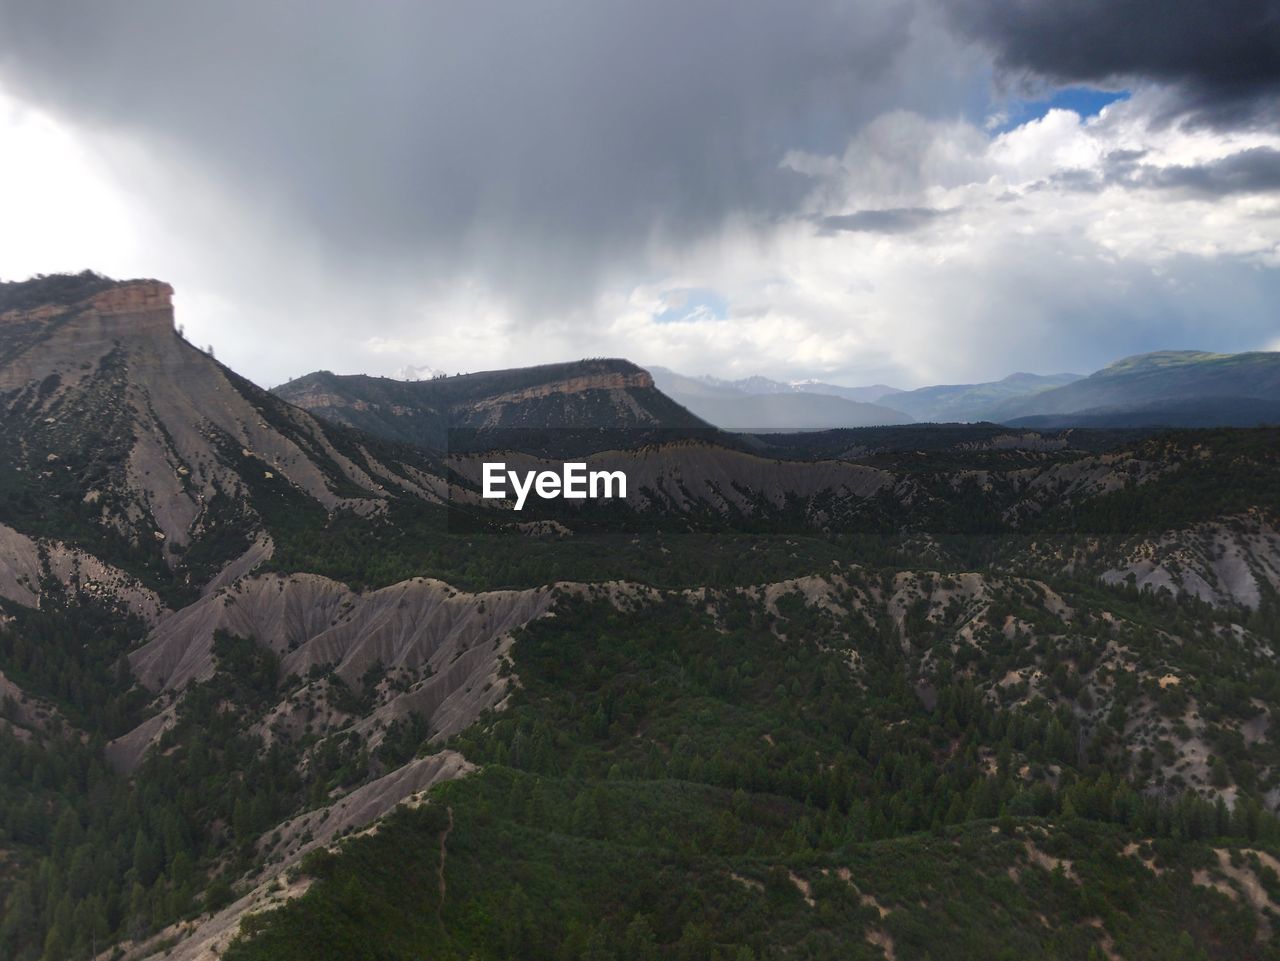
(275, 688)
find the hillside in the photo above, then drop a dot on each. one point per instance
(274, 687)
(708, 784)
(964, 403)
(1194, 412)
(1170, 383)
(600, 395)
(119, 436)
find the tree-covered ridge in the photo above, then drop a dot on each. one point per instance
(569, 404)
(94, 856)
(858, 707)
(687, 779)
(1074, 691)
(1160, 377)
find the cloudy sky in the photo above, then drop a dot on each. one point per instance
(904, 191)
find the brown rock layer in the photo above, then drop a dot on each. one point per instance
(571, 385)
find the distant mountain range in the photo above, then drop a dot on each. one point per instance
(761, 404)
(764, 404)
(1172, 380)
(763, 385)
(1161, 389)
(419, 372)
(969, 403)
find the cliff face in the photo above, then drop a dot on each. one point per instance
(39, 314)
(69, 326)
(146, 301)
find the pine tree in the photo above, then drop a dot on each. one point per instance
(639, 942)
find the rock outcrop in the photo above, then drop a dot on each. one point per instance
(28, 567)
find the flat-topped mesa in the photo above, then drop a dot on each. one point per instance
(65, 324)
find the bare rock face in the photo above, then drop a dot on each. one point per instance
(136, 298)
(311, 621)
(26, 563)
(126, 752)
(365, 804)
(127, 310)
(417, 647)
(1229, 562)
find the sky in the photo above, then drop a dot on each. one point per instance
(873, 191)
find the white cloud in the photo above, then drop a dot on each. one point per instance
(1041, 262)
(62, 212)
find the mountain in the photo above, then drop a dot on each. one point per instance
(904, 692)
(117, 434)
(1193, 412)
(602, 395)
(1165, 388)
(759, 404)
(869, 394)
(1176, 380)
(764, 385)
(967, 403)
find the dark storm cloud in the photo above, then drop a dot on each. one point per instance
(894, 220)
(1252, 171)
(1222, 56)
(536, 141)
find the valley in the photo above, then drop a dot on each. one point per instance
(278, 682)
